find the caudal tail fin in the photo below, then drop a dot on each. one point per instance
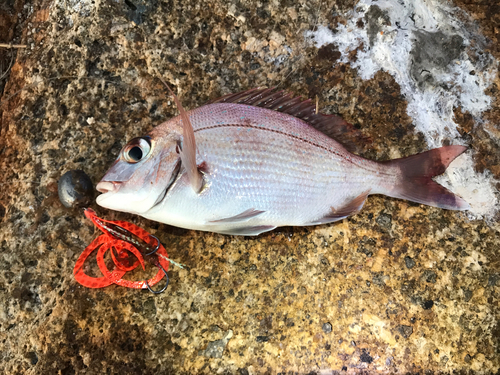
(416, 182)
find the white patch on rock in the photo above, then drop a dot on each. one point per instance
(438, 63)
(81, 7)
(476, 188)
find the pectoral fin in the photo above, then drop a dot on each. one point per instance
(188, 153)
(245, 215)
(350, 208)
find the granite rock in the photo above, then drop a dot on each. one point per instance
(398, 287)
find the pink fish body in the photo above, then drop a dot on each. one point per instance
(261, 168)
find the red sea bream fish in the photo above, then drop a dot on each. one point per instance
(253, 161)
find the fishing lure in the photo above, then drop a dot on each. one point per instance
(122, 239)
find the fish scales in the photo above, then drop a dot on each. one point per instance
(260, 169)
(266, 162)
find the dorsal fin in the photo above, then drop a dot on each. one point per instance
(331, 125)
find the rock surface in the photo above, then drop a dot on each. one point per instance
(397, 288)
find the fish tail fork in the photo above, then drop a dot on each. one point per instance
(415, 178)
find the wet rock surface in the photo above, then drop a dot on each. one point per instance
(398, 287)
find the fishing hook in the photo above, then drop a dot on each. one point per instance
(157, 245)
(166, 285)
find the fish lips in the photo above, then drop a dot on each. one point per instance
(108, 189)
(117, 196)
(107, 186)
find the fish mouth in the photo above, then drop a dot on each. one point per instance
(107, 186)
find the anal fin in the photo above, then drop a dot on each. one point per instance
(245, 215)
(350, 208)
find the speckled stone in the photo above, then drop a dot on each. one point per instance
(398, 288)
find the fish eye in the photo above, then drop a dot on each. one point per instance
(136, 150)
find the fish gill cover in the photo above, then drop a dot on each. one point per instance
(437, 58)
